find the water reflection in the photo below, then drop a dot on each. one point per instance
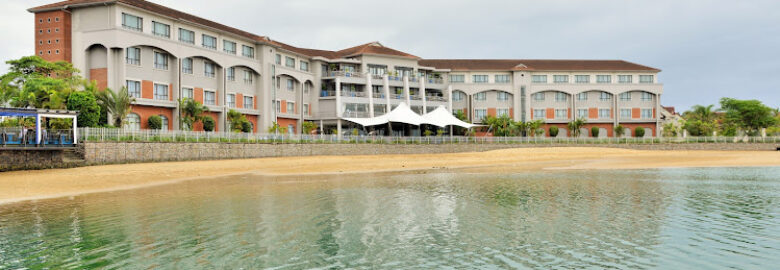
(681, 218)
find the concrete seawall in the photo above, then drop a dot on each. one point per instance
(95, 153)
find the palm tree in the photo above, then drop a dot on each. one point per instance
(575, 126)
(191, 112)
(116, 104)
(703, 113)
(535, 127)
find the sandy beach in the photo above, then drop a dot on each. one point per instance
(30, 185)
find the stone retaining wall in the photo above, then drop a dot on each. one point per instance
(107, 152)
(30, 159)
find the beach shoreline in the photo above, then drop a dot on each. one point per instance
(54, 183)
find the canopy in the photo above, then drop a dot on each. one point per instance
(403, 114)
(441, 117)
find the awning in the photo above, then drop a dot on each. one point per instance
(441, 117)
(403, 114)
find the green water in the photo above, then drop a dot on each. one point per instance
(650, 219)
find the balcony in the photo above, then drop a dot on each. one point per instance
(355, 114)
(342, 73)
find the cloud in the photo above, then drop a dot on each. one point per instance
(707, 49)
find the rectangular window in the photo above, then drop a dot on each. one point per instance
(278, 59)
(458, 96)
(304, 66)
(561, 114)
(133, 56)
(457, 78)
(209, 70)
(247, 51)
(209, 42)
(646, 113)
(502, 96)
(277, 105)
(131, 22)
(604, 78)
(582, 113)
(647, 96)
(377, 70)
(290, 85)
(134, 89)
(561, 78)
(231, 74)
(290, 107)
(480, 78)
(187, 93)
(229, 46)
(625, 97)
(538, 96)
(645, 78)
(231, 100)
(480, 113)
(502, 112)
(624, 78)
(582, 96)
(306, 109)
(209, 98)
(247, 77)
(604, 96)
(186, 65)
(186, 36)
(625, 113)
(161, 29)
(582, 78)
(249, 102)
(560, 96)
(540, 114)
(289, 62)
(160, 91)
(502, 78)
(480, 96)
(161, 60)
(604, 113)
(539, 79)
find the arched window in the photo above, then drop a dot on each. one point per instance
(164, 122)
(132, 122)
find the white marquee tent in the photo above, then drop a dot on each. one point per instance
(403, 114)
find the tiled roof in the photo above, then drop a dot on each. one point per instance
(559, 65)
(368, 48)
(163, 10)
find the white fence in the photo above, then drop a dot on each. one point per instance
(121, 135)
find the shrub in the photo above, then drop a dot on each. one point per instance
(154, 122)
(594, 132)
(428, 133)
(639, 132)
(208, 123)
(89, 110)
(246, 127)
(553, 131)
(619, 131)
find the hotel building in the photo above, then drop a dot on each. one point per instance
(162, 55)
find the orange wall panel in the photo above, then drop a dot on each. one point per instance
(635, 113)
(147, 89)
(550, 113)
(285, 122)
(253, 119)
(283, 106)
(491, 112)
(239, 100)
(99, 75)
(593, 113)
(146, 111)
(198, 95)
(53, 34)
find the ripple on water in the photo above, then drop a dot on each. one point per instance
(643, 219)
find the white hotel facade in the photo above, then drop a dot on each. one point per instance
(161, 55)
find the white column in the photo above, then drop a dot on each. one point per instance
(338, 99)
(406, 91)
(38, 129)
(422, 95)
(449, 98)
(658, 115)
(386, 85)
(110, 70)
(75, 129)
(370, 90)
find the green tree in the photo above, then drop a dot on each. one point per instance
(696, 127)
(620, 131)
(309, 126)
(236, 120)
(208, 123)
(594, 132)
(671, 130)
(700, 112)
(32, 81)
(246, 127)
(276, 128)
(190, 112)
(154, 122)
(575, 126)
(501, 126)
(748, 115)
(117, 104)
(89, 110)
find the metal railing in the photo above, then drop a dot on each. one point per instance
(355, 74)
(15, 137)
(121, 135)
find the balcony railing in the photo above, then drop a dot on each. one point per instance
(352, 94)
(354, 114)
(435, 98)
(435, 80)
(355, 74)
(327, 93)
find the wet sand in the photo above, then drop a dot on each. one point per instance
(30, 185)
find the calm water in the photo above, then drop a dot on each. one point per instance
(662, 219)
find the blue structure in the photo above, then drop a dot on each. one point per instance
(39, 136)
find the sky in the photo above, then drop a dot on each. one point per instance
(706, 49)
